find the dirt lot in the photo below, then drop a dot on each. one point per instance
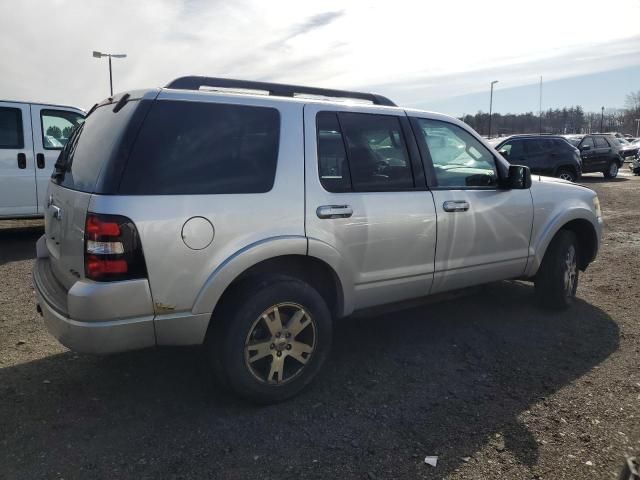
(494, 386)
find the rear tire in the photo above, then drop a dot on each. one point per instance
(612, 171)
(557, 279)
(272, 338)
(566, 174)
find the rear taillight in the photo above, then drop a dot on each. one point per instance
(112, 249)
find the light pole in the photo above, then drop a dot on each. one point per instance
(601, 119)
(114, 55)
(637, 127)
(491, 106)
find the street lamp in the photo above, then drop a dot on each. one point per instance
(114, 55)
(637, 120)
(491, 106)
(601, 119)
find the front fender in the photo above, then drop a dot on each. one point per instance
(546, 227)
(240, 261)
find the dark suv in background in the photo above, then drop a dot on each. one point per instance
(599, 152)
(545, 155)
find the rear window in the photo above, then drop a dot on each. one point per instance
(203, 148)
(93, 145)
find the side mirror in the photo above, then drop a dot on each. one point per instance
(519, 177)
(584, 148)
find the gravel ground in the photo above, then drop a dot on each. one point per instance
(492, 385)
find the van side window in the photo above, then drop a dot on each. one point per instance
(11, 135)
(376, 160)
(57, 126)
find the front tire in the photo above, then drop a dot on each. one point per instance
(557, 279)
(566, 174)
(274, 338)
(612, 171)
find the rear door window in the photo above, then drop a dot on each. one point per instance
(203, 148)
(362, 152)
(11, 135)
(601, 142)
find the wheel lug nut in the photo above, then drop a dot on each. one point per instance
(272, 346)
(288, 335)
(289, 347)
(279, 354)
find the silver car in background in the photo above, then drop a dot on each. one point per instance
(250, 222)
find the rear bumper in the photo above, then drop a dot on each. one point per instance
(77, 317)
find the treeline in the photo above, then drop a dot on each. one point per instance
(561, 120)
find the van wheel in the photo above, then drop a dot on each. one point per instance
(557, 279)
(566, 174)
(275, 337)
(612, 171)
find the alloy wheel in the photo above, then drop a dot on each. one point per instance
(280, 343)
(570, 271)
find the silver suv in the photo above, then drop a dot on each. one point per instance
(250, 216)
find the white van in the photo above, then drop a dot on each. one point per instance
(31, 137)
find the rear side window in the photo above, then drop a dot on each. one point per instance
(601, 142)
(203, 148)
(11, 136)
(362, 152)
(57, 126)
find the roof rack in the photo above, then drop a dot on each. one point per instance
(275, 89)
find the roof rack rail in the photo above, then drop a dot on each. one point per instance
(275, 89)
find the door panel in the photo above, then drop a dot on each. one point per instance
(487, 242)
(483, 231)
(17, 176)
(386, 239)
(51, 129)
(589, 157)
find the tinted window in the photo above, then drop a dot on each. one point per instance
(378, 157)
(513, 149)
(561, 145)
(91, 146)
(332, 157)
(376, 153)
(11, 128)
(57, 126)
(203, 148)
(601, 142)
(587, 142)
(459, 159)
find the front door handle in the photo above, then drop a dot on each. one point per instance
(40, 160)
(22, 161)
(334, 211)
(455, 206)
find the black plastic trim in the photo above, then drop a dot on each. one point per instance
(274, 89)
(49, 287)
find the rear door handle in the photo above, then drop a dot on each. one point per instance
(334, 211)
(455, 206)
(40, 160)
(22, 161)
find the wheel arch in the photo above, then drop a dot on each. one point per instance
(586, 235)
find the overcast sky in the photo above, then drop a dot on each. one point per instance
(418, 53)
